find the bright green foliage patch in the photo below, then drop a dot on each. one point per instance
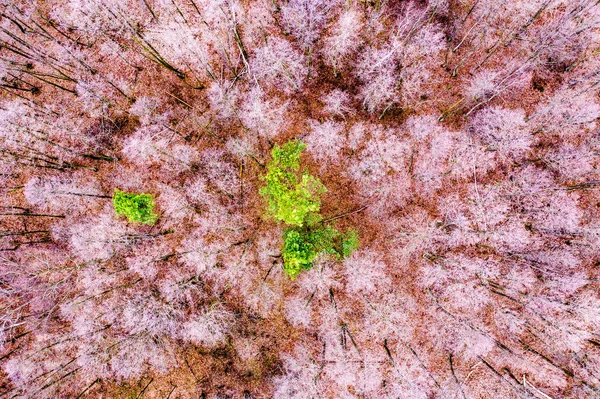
(294, 197)
(291, 199)
(349, 243)
(301, 246)
(137, 207)
(298, 252)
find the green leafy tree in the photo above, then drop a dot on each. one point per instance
(302, 245)
(137, 207)
(294, 197)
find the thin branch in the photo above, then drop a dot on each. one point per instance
(362, 208)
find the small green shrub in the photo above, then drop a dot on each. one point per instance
(294, 197)
(137, 207)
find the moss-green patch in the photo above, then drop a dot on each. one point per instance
(136, 207)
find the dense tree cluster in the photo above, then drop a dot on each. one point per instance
(459, 139)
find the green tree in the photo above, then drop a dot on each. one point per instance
(294, 198)
(302, 245)
(137, 207)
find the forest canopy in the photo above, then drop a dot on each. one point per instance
(299, 199)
